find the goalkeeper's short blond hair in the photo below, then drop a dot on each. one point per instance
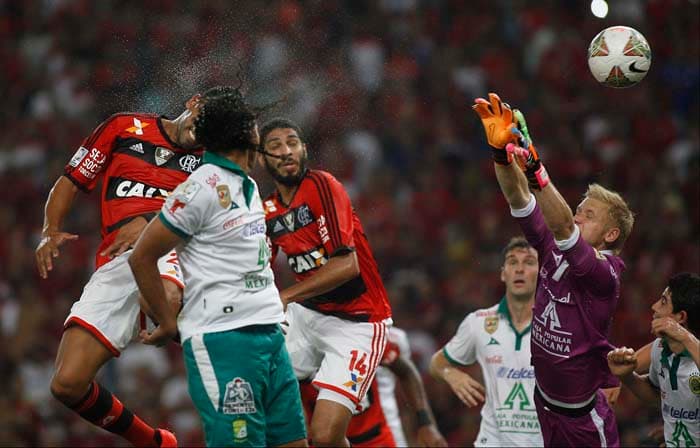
(619, 213)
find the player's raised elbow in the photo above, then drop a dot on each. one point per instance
(349, 265)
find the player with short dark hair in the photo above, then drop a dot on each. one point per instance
(578, 287)
(140, 158)
(238, 370)
(674, 371)
(338, 310)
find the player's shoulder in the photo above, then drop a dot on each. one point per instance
(322, 184)
(321, 178)
(483, 313)
(206, 177)
(656, 348)
(135, 123)
(129, 118)
(271, 205)
(617, 265)
(208, 172)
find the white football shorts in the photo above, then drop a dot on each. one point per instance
(342, 354)
(109, 306)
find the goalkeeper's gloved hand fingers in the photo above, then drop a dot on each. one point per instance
(482, 108)
(500, 108)
(519, 118)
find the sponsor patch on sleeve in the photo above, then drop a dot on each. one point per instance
(186, 191)
(78, 156)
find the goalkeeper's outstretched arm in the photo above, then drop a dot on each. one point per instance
(513, 185)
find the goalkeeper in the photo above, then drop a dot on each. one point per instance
(578, 287)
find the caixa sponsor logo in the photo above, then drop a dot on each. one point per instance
(124, 188)
(308, 261)
(516, 374)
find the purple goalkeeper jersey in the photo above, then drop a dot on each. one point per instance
(577, 292)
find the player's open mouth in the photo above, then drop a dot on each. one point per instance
(519, 282)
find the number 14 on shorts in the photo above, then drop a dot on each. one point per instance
(358, 369)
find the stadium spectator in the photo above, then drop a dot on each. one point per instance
(69, 64)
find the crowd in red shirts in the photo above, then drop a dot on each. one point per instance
(382, 88)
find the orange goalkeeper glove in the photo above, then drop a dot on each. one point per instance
(497, 119)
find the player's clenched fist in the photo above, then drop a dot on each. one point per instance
(497, 119)
(622, 361)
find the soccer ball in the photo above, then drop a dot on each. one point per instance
(619, 57)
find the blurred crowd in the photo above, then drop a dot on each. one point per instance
(383, 89)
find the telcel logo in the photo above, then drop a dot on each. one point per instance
(516, 374)
(682, 413)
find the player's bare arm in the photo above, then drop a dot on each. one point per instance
(156, 241)
(557, 213)
(622, 362)
(467, 389)
(513, 185)
(412, 385)
(126, 237)
(677, 334)
(335, 272)
(57, 207)
(643, 359)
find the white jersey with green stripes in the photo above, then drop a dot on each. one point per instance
(678, 378)
(224, 256)
(487, 336)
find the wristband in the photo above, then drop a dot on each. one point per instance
(423, 418)
(537, 176)
(501, 156)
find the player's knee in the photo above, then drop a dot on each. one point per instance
(68, 389)
(326, 435)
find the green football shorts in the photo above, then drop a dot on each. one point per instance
(243, 386)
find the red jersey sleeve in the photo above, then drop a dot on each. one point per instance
(334, 210)
(93, 156)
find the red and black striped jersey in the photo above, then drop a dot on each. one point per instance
(139, 165)
(318, 224)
